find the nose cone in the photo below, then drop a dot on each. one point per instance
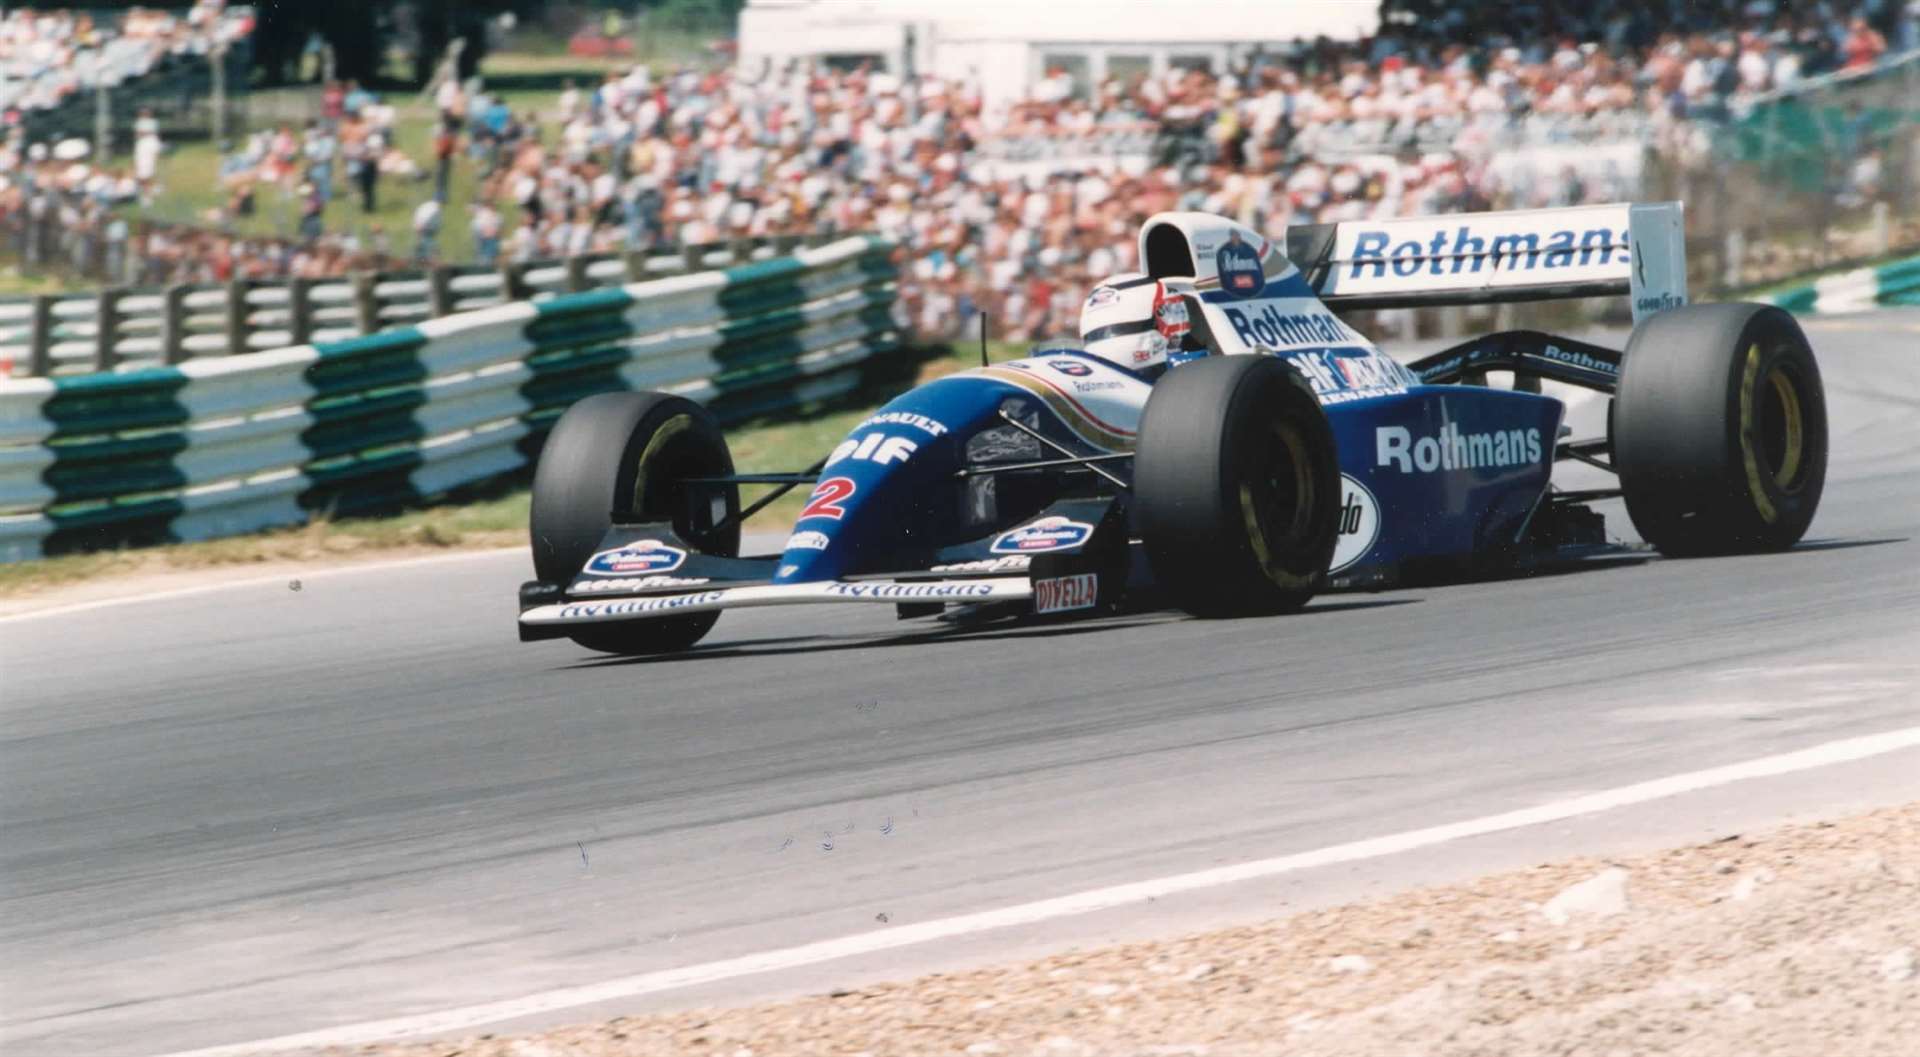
(831, 528)
(861, 514)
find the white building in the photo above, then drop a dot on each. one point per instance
(1009, 44)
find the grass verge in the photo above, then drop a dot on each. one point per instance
(190, 176)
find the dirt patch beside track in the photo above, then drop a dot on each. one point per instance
(1798, 941)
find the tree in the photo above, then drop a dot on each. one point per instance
(696, 16)
(359, 29)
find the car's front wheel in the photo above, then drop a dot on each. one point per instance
(1236, 486)
(630, 453)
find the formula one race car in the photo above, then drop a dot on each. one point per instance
(1220, 440)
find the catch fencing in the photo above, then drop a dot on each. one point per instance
(226, 445)
(120, 328)
(1820, 175)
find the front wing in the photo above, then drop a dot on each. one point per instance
(891, 592)
(1083, 575)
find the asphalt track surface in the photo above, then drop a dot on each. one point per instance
(240, 813)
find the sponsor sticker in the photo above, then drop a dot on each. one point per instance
(1661, 303)
(1046, 534)
(807, 541)
(874, 447)
(1238, 265)
(1012, 563)
(1576, 358)
(1443, 368)
(1339, 375)
(1070, 367)
(640, 556)
(1269, 326)
(1451, 449)
(1102, 296)
(910, 590)
(1061, 594)
(1170, 317)
(634, 607)
(1359, 523)
(1516, 243)
(906, 418)
(1330, 399)
(827, 498)
(642, 583)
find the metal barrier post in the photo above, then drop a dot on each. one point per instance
(695, 256)
(366, 306)
(636, 265)
(299, 310)
(512, 286)
(218, 62)
(439, 291)
(237, 329)
(785, 244)
(173, 324)
(576, 274)
(106, 328)
(102, 124)
(40, 337)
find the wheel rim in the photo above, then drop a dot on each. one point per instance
(1773, 437)
(1277, 499)
(1782, 424)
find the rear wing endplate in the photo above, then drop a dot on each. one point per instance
(1490, 258)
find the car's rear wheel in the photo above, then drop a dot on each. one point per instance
(1720, 430)
(631, 453)
(1236, 486)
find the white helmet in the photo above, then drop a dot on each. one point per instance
(1118, 324)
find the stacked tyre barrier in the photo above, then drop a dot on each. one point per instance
(221, 446)
(1897, 283)
(118, 328)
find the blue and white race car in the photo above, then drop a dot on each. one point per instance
(1219, 440)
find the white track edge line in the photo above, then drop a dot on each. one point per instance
(468, 1017)
(254, 581)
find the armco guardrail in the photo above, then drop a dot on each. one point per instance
(222, 446)
(1897, 283)
(122, 328)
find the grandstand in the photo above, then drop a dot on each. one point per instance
(58, 67)
(1013, 206)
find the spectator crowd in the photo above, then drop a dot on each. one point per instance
(1016, 212)
(48, 56)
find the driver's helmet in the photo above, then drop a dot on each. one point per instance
(1118, 322)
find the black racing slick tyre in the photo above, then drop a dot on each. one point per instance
(1720, 430)
(1236, 486)
(629, 452)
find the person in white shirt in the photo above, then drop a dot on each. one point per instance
(451, 101)
(426, 230)
(522, 243)
(485, 227)
(146, 162)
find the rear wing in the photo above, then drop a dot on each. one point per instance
(1489, 258)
